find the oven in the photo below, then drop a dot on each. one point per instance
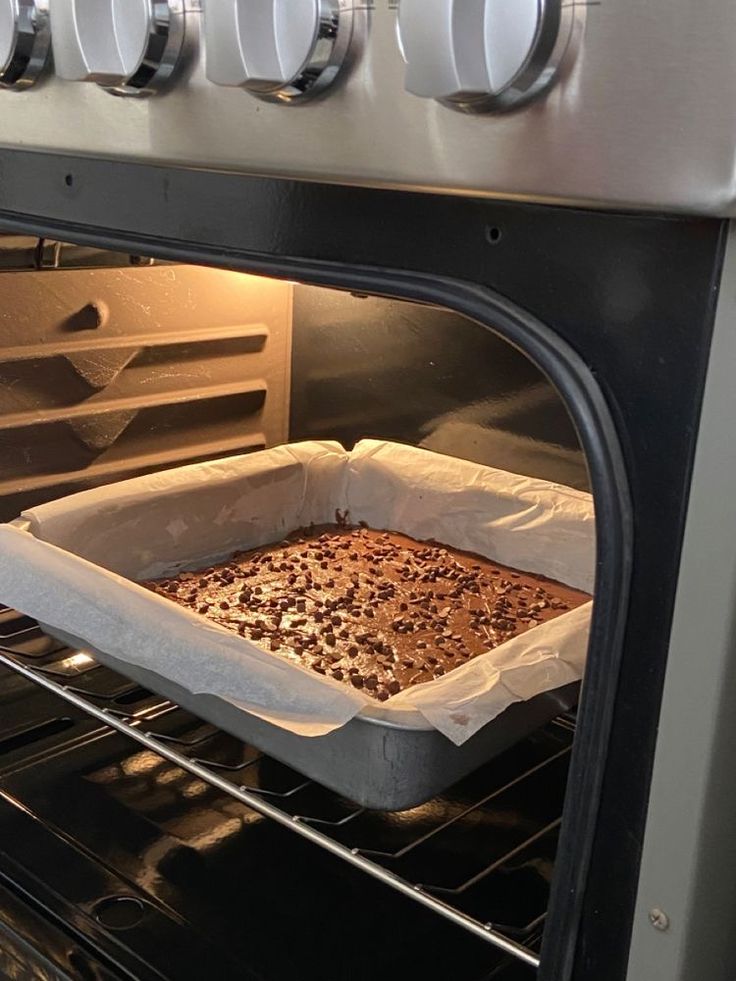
(443, 224)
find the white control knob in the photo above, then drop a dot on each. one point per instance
(485, 55)
(130, 47)
(25, 40)
(279, 50)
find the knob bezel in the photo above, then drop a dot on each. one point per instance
(327, 58)
(164, 47)
(31, 46)
(553, 48)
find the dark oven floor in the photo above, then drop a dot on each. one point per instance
(116, 863)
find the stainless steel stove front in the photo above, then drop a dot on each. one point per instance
(637, 114)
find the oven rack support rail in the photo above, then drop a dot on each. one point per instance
(130, 726)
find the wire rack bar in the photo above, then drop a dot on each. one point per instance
(129, 725)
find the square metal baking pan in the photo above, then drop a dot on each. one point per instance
(378, 764)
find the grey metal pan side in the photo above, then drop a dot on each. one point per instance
(377, 764)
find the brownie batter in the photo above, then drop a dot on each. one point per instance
(373, 609)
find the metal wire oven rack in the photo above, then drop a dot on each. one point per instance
(467, 856)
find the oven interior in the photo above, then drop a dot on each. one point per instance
(117, 861)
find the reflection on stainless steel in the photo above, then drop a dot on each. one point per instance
(74, 664)
(399, 371)
(509, 451)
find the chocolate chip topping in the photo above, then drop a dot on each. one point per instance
(392, 613)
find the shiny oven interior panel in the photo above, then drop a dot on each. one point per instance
(107, 373)
(421, 375)
(617, 103)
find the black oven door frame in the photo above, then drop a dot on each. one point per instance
(617, 311)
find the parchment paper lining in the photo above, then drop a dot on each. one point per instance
(70, 564)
